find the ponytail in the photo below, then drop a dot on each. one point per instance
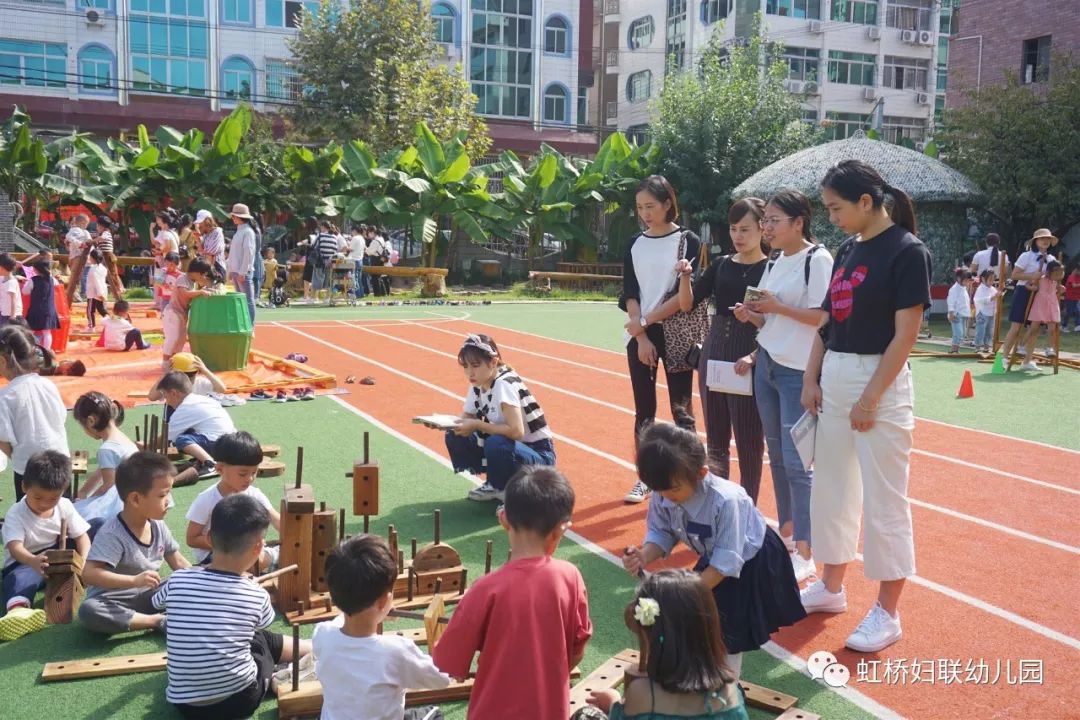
(851, 179)
(903, 210)
(97, 410)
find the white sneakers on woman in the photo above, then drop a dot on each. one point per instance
(877, 631)
(804, 567)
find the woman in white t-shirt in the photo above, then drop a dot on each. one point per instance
(648, 275)
(990, 258)
(795, 283)
(357, 250)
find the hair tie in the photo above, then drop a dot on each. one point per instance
(476, 342)
(646, 611)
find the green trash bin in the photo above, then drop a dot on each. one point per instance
(219, 330)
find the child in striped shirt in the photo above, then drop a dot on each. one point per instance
(221, 658)
(502, 426)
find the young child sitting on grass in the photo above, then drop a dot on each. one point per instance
(121, 572)
(238, 458)
(364, 675)
(196, 422)
(32, 526)
(221, 657)
(529, 620)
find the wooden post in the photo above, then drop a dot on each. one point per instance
(63, 586)
(365, 477)
(296, 658)
(152, 442)
(323, 539)
(413, 549)
(341, 525)
(487, 557)
(438, 526)
(146, 431)
(296, 540)
(999, 301)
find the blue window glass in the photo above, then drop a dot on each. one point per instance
(236, 11)
(96, 70)
(237, 79)
(169, 49)
(33, 64)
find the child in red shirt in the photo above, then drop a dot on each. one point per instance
(1072, 301)
(529, 620)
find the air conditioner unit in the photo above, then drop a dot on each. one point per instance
(909, 36)
(926, 37)
(873, 32)
(612, 58)
(870, 93)
(811, 88)
(93, 17)
(611, 7)
(920, 146)
(815, 27)
(923, 98)
(795, 86)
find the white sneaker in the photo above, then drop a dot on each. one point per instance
(638, 494)
(789, 543)
(817, 598)
(877, 631)
(485, 493)
(804, 567)
(1030, 366)
(1049, 352)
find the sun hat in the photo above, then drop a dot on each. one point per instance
(240, 210)
(1043, 233)
(183, 362)
(202, 215)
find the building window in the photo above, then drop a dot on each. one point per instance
(556, 104)
(639, 86)
(237, 12)
(863, 12)
(33, 64)
(582, 105)
(942, 78)
(1036, 60)
(909, 14)
(287, 13)
(557, 36)
(237, 78)
(894, 129)
(806, 9)
(809, 115)
(903, 73)
(501, 57)
(444, 20)
(282, 81)
(849, 68)
(638, 134)
(169, 46)
(802, 62)
(840, 125)
(96, 70)
(104, 5)
(675, 49)
(939, 109)
(714, 10)
(641, 33)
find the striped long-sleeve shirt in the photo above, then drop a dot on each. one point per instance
(212, 619)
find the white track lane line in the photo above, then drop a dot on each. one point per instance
(780, 653)
(1007, 615)
(917, 451)
(627, 411)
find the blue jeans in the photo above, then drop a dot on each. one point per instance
(189, 437)
(358, 279)
(247, 287)
(777, 390)
(1072, 311)
(504, 456)
(959, 327)
(984, 329)
(21, 581)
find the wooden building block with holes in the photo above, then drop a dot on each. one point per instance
(317, 611)
(766, 699)
(606, 677)
(80, 460)
(323, 540)
(365, 477)
(299, 499)
(797, 714)
(63, 593)
(103, 667)
(295, 587)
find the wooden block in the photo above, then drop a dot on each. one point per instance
(323, 540)
(61, 561)
(307, 700)
(79, 461)
(299, 499)
(797, 714)
(766, 699)
(432, 627)
(424, 582)
(102, 667)
(60, 557)
(365, 477)
(63, 593)
(606, 677)
(271, 450)
(318, 612)
(271, 468)
(296, 528)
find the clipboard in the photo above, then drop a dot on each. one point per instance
(804, 434)
(721, 377)
(437, 421)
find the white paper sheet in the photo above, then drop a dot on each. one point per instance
(804, 434)
(437, 421)
(722, 378)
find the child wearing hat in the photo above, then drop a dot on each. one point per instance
(203, 382)
(1027, 272)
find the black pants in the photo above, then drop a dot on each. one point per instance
(266, 648)
(95, 305)
(134, 339)
(643, 381)
(18, 487)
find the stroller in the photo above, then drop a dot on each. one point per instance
(277, 297)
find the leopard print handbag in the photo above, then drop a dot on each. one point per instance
(683, 330)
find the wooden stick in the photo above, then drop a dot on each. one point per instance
(412, 579)
(487, 557)
(366, 448)
(164, 437)
(262, 579)
(401, 561)
(438, 526)
(63, 534)
(341, 525)
(438, 586)
(146, 431)
(296, 658)
(366, 526)
(322, 506)
(153, 441)
(414, 616)
(464, 579)
(138, 437)
(299, 465)
(413, 555)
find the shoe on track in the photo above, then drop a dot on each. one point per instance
(638, 494)
(817, 598)
(877, 631)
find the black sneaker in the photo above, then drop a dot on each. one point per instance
(207, 469)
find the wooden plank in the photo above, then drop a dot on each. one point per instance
(766, 699)
(432, 627)
(323, 540)
(317, 611)
(102, 667)
(307, 700)
(295, 587)
(424, 582)
(797, 714)
(299, 499)
(606, 677)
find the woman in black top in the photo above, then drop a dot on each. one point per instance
(648, 274)
(858, 384)
(732, 336)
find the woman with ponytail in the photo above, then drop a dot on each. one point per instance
(989, 258)
(100, 418)
(858, 384)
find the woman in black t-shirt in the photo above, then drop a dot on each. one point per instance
(732, 336)
(858, 384)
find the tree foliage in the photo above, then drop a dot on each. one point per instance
(368, 71)
(1022, 147)
(719, 123)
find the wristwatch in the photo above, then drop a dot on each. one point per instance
(644, 321)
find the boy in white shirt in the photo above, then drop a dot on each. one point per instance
(985, 310)
(96, 275)
(959, 306)
(76, 239)
(196, 422)
(117, 331)
(11, 304)
(364, 675)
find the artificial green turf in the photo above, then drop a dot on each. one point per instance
(412, 486)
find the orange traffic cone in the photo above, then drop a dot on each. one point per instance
(966, 389)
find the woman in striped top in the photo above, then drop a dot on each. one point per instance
(502, 427)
